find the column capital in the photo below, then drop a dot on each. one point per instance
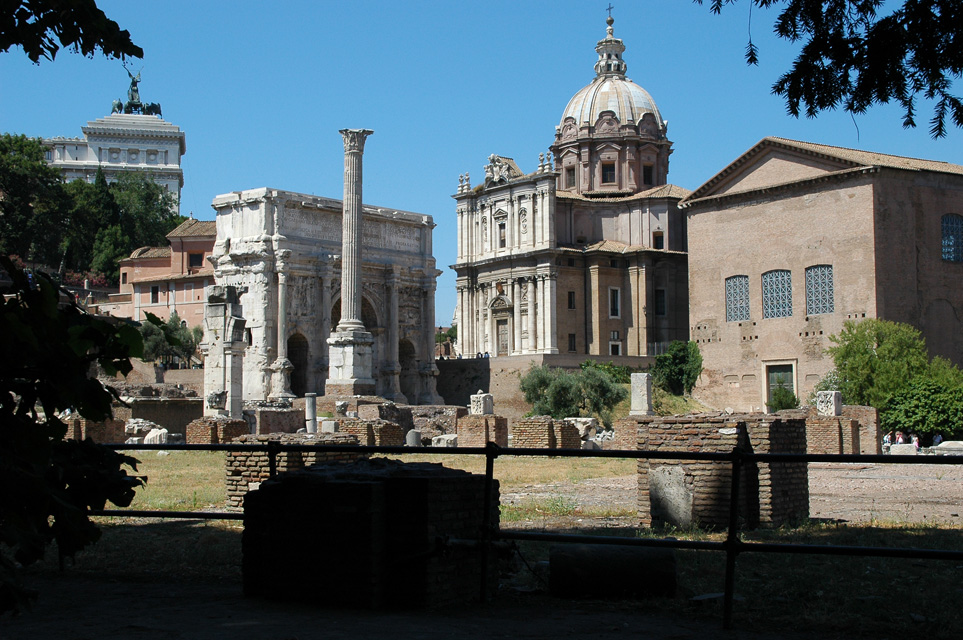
(354, 139)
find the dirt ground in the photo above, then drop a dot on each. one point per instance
(74, 607)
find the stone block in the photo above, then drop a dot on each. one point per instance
(413, 438)
(446, 440)
(156, 436)
(641, 394)
(482, 403)
(329, 426)
(829, 403)
(902, 450)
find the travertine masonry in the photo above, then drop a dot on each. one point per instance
(246, 470)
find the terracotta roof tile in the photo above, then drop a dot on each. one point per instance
(151, 252)
(194, 228)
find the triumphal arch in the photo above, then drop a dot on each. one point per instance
(281, 252)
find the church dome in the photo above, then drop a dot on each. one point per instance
(611, 90)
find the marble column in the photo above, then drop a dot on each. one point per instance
(282, 367)
(394, 367)
(351, 347)
(516, 316)
(532, 344)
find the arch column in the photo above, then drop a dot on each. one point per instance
(532, 344)
(516, 317)
(282, 367)
(394, 367)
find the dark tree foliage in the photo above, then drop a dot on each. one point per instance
(853, 56)
(41, 27)
(48, 485)
(168, 340)
(678, 369)
(782, 398)
(566, 394)
(32, 200)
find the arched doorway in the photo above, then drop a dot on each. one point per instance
(298, 355)
(368, 314)
(408, 377)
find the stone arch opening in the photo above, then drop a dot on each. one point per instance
(408, 376)
(368, 314)
(298, 355)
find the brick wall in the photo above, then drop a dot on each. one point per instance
(566, 435)
(373, 433)
(826, 434)
(685, 493)
(870, 439)
(383, 519)
(478, 430)
(215, 430)
(536, 432)
(110, 431)
(246, 470)
(624, 436)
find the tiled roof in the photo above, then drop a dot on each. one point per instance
(869, 158)
(151, 252)
(194, 228)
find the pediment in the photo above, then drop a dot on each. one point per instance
(767, 165)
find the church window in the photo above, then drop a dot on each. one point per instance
(777, 294)
(614, 306)
(951, 226)
(658, 240)
(660, 302)
(570, 177)
(571, 299)
(737, 298)
(123, 277)
(819, 289)
(154, 294)
(608, 173)
(647, 174)
(571, 342)
(501, 235)
(195, 260)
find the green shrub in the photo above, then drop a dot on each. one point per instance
(782, 398)
(678, 369)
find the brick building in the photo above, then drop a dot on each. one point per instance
(587, 256)
(792, 239)
(164, 280)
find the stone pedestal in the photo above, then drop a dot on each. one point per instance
(350, 364)
(641, 395)
(482, 404)
(829, 403)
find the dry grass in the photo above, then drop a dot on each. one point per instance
(180, 480)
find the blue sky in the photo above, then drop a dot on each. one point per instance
(262, 88)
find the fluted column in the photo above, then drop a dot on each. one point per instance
(351, 235)
(394, 367)
(282, 367)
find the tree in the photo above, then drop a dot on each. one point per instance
(678, 369)
(48, 485)
(875, 358)
(925, 405)
(564, 394)
(171, 339)
(782, 398)
(32, 203)
(854, 57)
(92, 208)
(39, 25)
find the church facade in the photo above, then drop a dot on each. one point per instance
(282, 252)
(793, 239)
(587, 254)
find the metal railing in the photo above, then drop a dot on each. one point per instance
(732, 545)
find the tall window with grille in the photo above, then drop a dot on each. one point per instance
(777, 294)
(819, 289)
(951, 226)
(737, 298)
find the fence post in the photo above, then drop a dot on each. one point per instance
(732, 539)
(273, 447)
(491, 452)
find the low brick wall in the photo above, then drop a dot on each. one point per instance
(625, 436)
(870, 439)
(536, 432)
(215, 430)
(477, 430)
(542, 432)
(825, 434)
(373, 433)
(685, 493)
(246, 470)
(110, 431)
(367, 535)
